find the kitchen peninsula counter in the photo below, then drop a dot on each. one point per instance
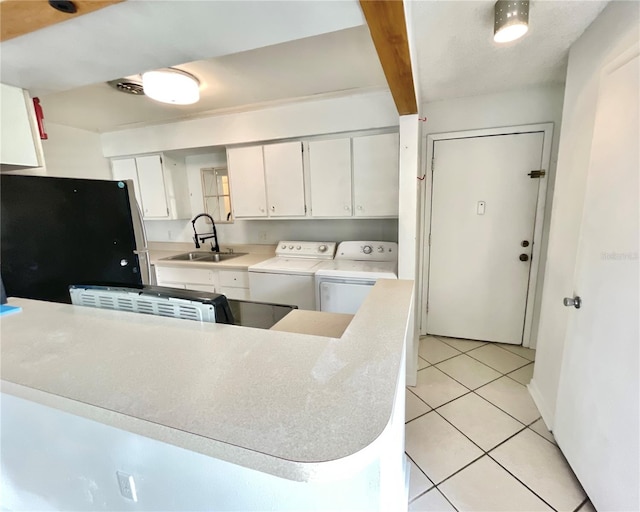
(301, 407)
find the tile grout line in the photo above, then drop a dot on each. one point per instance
(477, 394)
(484, 343)
(547, 440)
(508, 413)
(503, 373)
(584, 502)
(525, 485)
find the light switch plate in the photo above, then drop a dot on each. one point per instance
(127, 486)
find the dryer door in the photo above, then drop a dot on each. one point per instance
(343, 296)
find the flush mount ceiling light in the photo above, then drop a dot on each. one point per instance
(511, 20)
(171, 86)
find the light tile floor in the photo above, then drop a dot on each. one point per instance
(475, 438)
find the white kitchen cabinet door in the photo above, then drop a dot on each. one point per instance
(330, 175)
(284, 179)
(125, 169)
(375, 175)
(18, 143)
(246, 176)
(152, 187)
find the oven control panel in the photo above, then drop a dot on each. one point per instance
(367, 251)
(297, 249)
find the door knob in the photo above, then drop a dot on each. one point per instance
(576, 302)
(524, 257)
(524, 243)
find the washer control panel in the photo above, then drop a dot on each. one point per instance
(297, 249)
(367, 251)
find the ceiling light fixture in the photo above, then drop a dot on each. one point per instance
(171, 86)
(511, 20)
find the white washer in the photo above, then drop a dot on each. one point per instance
(289, 277)
(344, 283)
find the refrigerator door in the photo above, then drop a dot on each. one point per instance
(55, 232)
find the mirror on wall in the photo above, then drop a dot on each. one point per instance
(215, 193)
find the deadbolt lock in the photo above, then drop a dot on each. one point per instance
(525, 243)
(524, 257)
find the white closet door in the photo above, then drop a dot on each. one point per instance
(597, 415)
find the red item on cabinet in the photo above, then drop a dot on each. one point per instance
(40, 118)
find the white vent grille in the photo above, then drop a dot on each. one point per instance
(132, 301)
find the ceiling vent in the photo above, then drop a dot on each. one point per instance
(128, 86)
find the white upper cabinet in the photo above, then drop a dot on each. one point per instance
(20, 145)
(267, 181)
(152, 187)
(375, 175)
(160, 185)
(330, 177)
(246, 177)
(345, 177)
(284, 178)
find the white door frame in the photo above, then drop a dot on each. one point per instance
(425, 213)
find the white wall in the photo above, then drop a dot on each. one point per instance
(74, 153)
(409, 168)
(541, 104)
(362, 111)
(264, 231)
(52, 460)
(610, 34)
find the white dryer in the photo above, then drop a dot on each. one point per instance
(343, 283)
(289, 277)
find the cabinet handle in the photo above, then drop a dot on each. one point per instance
(346, 207)
(273, 208)
(359, 208)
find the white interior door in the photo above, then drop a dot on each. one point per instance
(596, 420)
(483, 212)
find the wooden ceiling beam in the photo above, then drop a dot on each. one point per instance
(388, 28)
(19, 17)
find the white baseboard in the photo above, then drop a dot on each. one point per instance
(547, 415)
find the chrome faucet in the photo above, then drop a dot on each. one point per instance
(197, 237)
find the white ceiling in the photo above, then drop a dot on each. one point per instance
(338, 61)
(138, 35)
(248, 53)
(457, 57)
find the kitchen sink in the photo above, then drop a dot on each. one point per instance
(205, 256)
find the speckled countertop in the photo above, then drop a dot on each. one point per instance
(294, 405)
(253, 254)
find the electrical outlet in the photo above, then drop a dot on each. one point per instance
(170, 235)
(127, 486)
(262, 236)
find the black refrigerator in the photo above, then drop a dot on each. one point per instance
(57, 232)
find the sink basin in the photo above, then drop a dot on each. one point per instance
(205, 256)
(219, 256)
